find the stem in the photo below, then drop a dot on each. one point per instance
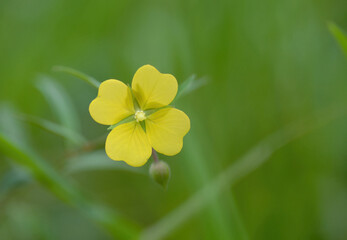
(155, 156)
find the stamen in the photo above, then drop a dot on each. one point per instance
(140, 116)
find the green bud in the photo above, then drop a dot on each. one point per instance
(160, 173)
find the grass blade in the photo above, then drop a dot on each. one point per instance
(88, 79)
(116, 225)
(243, 166)
(56, 129)
(190, 85)
(60, 102)
(224, 223)
(339, 35)
(12, 127)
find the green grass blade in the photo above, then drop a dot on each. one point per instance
(339, 35)
(12, 127)
(243, 166)
(223, 223)
(56, 129)
(84, 77)
(190, 85)
(98, 160)
(60, 102)
(116, 225)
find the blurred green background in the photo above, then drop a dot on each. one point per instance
(268, 63)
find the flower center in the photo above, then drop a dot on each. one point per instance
(140, 116)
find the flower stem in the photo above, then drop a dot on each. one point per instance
(155, 156)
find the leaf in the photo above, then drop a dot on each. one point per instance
(88, 79)
(56, 129)
(98, 160)
(113, 222)
(190, 85)
(339, 35)
(11, 127)
(60, 102)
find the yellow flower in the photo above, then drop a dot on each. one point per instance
(142, 116)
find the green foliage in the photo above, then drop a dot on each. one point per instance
(24, 223)
(62, 106)
(268, 63)
(88, 79)
(46, 176)
(59, 130)
(11, 180)
(339, 35)
(11, 126)
(190, 85)
(249, 162)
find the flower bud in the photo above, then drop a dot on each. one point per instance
(160, 173)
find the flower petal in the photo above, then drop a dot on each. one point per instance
(153, 89)
(129, 143)
(166, 129)
(113, 103)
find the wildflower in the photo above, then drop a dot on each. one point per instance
(140, 116)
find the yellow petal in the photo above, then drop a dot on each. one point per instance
(129, 143)
(166, 129)
(113, 103)
(153, 89)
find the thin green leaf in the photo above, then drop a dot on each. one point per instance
(88, 79)
(254, 158)
(98, 160)
(11, 126)
(56, 129)
(60, 102)
(339, 35)
(112, 221)
(221, 214)
(190, 85)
